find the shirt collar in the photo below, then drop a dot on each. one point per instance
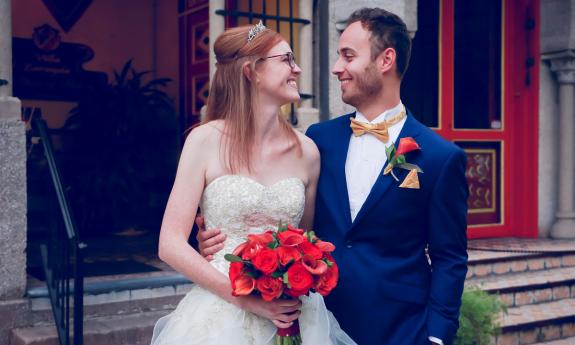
(381, 117)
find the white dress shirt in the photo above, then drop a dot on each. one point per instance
(365, 160)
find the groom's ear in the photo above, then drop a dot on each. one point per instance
(386, 60)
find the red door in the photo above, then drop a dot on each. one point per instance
(486, 56)
(194, 31)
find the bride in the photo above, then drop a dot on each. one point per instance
(247, 169)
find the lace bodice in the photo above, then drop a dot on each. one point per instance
(239, 205)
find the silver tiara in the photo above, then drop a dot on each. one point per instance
(259, 27)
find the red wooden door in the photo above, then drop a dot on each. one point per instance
(486, 101)
(194, 68)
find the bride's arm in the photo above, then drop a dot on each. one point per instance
(312, 161)
(180, 213)
(178, 221)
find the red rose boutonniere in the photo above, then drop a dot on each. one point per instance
(396, 159)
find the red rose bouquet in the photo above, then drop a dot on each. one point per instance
(283, 263)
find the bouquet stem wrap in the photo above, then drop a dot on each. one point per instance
(289, 336)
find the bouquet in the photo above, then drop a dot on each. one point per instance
(283, 263)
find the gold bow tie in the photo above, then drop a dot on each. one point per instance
(377, 129)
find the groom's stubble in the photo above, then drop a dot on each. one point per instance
(368, 85)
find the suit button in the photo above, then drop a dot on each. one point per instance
(349, 244)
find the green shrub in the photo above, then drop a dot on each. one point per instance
(478, 319)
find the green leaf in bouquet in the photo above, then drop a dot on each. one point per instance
(277, 274)
(286, 280)
(310, 236)
(328, 262)
(273, 245)
(233, 258)
(282, 227)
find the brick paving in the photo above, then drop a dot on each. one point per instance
(535, 278)
(510, 244)
(567, 341)
(484, 255)
(537, 313)
(525, 279)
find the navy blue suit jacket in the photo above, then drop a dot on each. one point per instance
(388, 292)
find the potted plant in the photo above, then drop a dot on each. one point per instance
(120, 149)
(478, 317)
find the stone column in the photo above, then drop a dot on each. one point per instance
(564, 67)
(217, 27)
(12, 172)
(307, 114)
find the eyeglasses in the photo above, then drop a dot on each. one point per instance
(290, 58)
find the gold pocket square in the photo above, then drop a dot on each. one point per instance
(411, 180)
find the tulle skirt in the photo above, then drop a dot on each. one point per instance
(203, 318)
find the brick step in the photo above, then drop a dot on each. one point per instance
(485, 264)
(110, 330)
(531, 287)
(121, 297)
(566, 341)
(530, 324)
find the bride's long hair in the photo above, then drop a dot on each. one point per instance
(232, 96)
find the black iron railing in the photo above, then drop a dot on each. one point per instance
(62, 254)
(269, 19)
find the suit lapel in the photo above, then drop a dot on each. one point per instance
(341, 148)
(384, 182)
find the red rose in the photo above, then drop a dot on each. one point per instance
(264, 238)
(310, 249)
(235, 271)
(240, 249)
(266, 260)
(250, 250)
(243, 285)
(290, 238)
(328, 280)
(287, 254)
(324, 246)
(313, 266)
(299, 278)
(270, 288)
(406, 145)
(291, 228)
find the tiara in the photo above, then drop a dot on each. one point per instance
(259, 27)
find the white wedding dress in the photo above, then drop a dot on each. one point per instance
(238, 205)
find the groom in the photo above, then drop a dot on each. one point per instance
(389, 293)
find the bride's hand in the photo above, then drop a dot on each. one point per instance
(281, 312)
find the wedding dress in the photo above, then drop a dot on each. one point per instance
(238, 205)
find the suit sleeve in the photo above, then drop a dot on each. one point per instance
(311, 132)
(447, 248)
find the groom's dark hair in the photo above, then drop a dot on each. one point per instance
(387, 31)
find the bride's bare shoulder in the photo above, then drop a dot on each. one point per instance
(309, 148)
(205, 135)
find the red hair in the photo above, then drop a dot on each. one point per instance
(232, 95)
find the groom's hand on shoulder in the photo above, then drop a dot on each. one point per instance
(209, 241)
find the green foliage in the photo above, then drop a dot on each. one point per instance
(122, 144)
(233, 258)
(478, 319)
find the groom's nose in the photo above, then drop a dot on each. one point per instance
(338, 66)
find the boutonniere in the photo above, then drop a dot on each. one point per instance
(396, 159)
